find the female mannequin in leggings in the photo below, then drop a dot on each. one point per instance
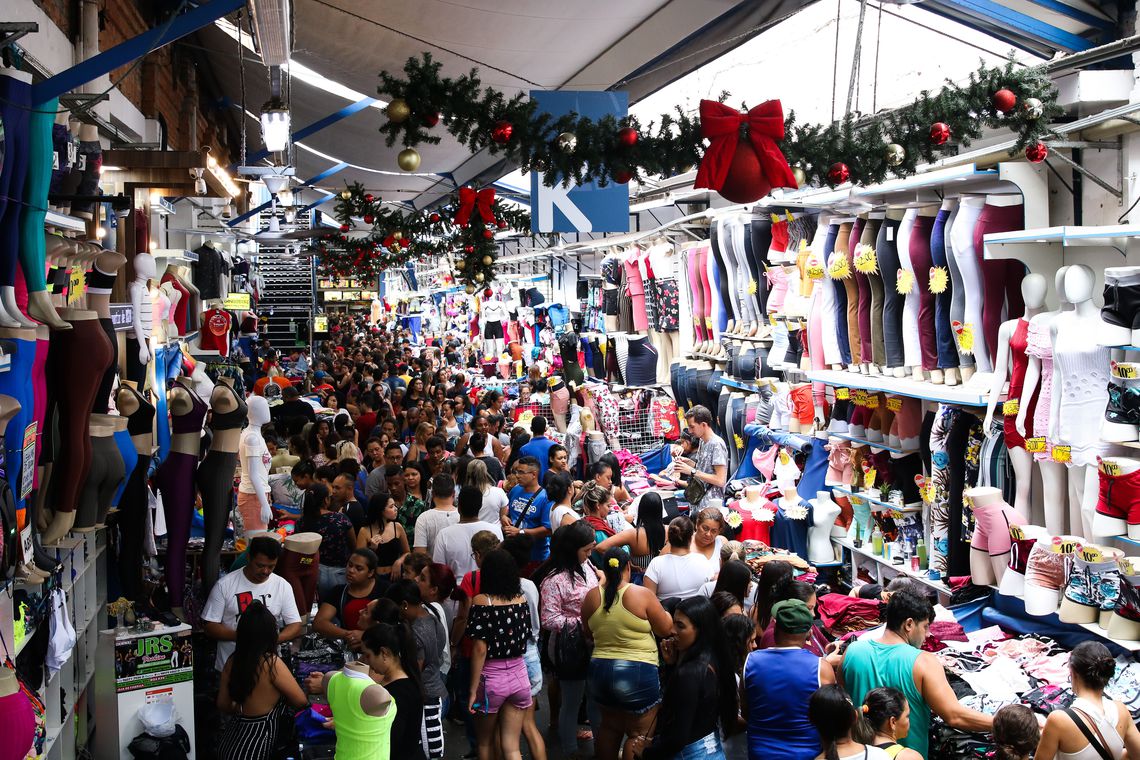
(886, 251)
(175, 478)
(920, 261)
(105, 474)
(99, 283)
(215, 476)
(873, 336)
(973, 284)
(853, 296)
(15, 111)
(912, 354)
(840, 288)
(695, 265)
(1002, 213)
(760, 231)
(73, 393)
(133, 502)
(943, 334)
(751, 269)
(721, 311)
(9, 407)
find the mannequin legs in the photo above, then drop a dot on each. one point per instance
(103, 478)
(32, 250)
(920, 261)
(1055, 488)
(131, 519)
(760, 233)
(943, 335)
(1003, 276)
(560, 406)
(15, 383)
(15, 105)
(1022, 462)
(215, 478)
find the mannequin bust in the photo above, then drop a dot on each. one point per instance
(375, 701)
(224, 400)
(1011, 363)
(824, 512)
(990, 549)
(1023, 538)
(142, 306)
(128, 402)
(182, 400)
(253, 492)
(1110, 469)
(1090, 559)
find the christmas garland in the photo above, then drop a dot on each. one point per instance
(423, 104)
(465, 227)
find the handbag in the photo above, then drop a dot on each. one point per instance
(695, 490)
(571, 652)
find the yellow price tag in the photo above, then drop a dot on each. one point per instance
(939, 280)
(803, 245)
(896, 515)
(1062, 454)
(708, 322)
(966, 339)
(815, 271)
(873, 401)
(838, 268)
(1092, 553)
(928, 493)
(894, 404)
(753, 287)
(842, 394)
(738, 441)
(1126, 371)
(1016, 533)
(869, 478)
(776, 219)
(784, 457)
(866, 262)
(76, 285)
(905, 282)
(1065, 545)
(1126, 566)
(1034, 444)
(1009, 408)
(860, 398)
(1108, 467)
(788, 215)
(772, 319)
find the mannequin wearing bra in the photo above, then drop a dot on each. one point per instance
(19, 717)
(131, 517)
(105, 474)
(175, 478)
(215, 475)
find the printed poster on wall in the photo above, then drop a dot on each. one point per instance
(149, 662)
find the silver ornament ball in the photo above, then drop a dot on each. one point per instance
(1034, 108)
(895, 154)
(567, 142)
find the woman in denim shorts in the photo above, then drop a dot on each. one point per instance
(623, 679)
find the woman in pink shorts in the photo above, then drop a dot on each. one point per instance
(499, 625)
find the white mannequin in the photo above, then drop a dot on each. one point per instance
(258, 472)
(142, 304)
(1098, 557)
(1012, 582)
(1084, 320)
(824, 512)
(174, 296)
(1033, 289)
(493, 310)
(1103, 525)
(987, 568)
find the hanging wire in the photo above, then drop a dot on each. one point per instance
(241, 75)
(835, 60)
(878, 44)
(857, 58)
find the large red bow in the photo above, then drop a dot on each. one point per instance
(469, 199)
(721, 125)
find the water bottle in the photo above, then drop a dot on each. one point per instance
(922, 557)
(877, 542)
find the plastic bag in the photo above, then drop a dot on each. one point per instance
(158, 719)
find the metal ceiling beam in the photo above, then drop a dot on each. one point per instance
(133, 49)
(1064, 9)
(990, 12)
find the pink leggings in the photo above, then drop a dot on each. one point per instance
(702, 294)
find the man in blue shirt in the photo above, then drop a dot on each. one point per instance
(539, 446)
(528, 511)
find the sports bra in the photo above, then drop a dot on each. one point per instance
(233, 420)
(99, 281)
(191, 422)
(142, 421)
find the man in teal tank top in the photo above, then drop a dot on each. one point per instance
(894, 659)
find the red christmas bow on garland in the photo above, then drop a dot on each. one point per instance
(721, 125)
(469, 199)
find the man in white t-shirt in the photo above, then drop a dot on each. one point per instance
(453, 544)
(234, 592)
(442, 514)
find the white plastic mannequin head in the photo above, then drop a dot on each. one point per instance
(1078, 284)
(258, 412)
(144, 265)
(1033, 289)
(1059, 284)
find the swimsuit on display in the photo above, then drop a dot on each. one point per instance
(1040, 346)
(1018, 360)
(1122, 297)
(1084, 376)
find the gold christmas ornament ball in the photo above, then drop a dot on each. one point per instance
(567, 142)
(470, 290)
(398, 111)
(397, 235)
(895, 154)
(460, 265)
(479, 277)
(409, 159)
(488, 261)
(799, 175)
(346, 195)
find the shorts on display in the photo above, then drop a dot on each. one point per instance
(1122, 297)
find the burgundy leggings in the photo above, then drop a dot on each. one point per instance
(921, 261)
(864, 288)
(1002, 277)
(73, 395)
(301, 570)
(175, 479)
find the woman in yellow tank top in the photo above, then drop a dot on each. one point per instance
(622, 619)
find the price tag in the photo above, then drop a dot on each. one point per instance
(894, 404)
(896, 515)
(753, 287)
(29, 461)
(866, 262)
(776, 219)
(939, 280)
(1009, 408)
(1126, 566)
(1092, 553)
(1062, 454)
(772, 319)
(869, 478)
(873, 401)
(905, 282)
(76, 285)
(860, 398)
(1126, 371)
(965, 333)
(26, 546)
(788, 215)
(784, 457)
(708, 323)
(1108, 467)
(838, 268)
(1065, 545)
(1034, 444)
(815, 270)
(1016, 533)
(842, 394)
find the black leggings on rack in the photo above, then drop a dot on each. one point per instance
(726, 294)
(760, 238)
(103, 396)
(215, 478)
(886, 251)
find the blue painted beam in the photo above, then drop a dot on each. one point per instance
(1027, 25)
(335, 169)
(133, 49)
(1076, 14)
(317, 202)
(318, 125)
(239, 219)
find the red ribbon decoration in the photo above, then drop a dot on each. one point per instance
(721, 125)
(469, 200)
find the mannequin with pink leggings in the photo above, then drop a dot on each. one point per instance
(1002, 213)
(559, 402)
(701, 292)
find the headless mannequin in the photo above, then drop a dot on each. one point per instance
(179, 507)
(493, 318)
(1033, 289)
(215, 478)
(1097, 558)
(1044, 600)
(133, 503)
(1054, 475)
(987, 566)
(952, 376)
(1013, 582)
(824, 512)
(256, 469)
(142, 309)
(1103, 525)
(374, 700)
(92, 513)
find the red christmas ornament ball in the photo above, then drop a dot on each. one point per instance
(1004, 100)
(1036, 153)
(622, 177)
(431, 119)
(344, 228)
(627, 136)
(368, 218)
(745, 181)
(838, 173)
(939, 133)
(501, 132)
(369, 197)
(469, 249)
(487, 234)
(434, 218)
(487, 293)
(501, 224)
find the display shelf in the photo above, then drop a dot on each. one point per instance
(1106, 236)
(968, 173)
(941, 588)
(730, 383)
(943, 394)
(908, 509)
(1132, 646)
(175, 254)
(872, 444)
(748, 338)
(708, 357)
(64, 222)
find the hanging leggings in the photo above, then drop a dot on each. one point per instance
(15, 110)
(853, 293)
(746, 283)
(103, 396)
(858, 240)
(15, 383)
(175, 479)
(131, 520)
(943, 334)
(958, 296)
(888, 256)
(754, 271)
(127, 455)
(103, 478)
(39, 390)
(215, 479)
(32, 245)
(301, 571)
(761, 233)
(722, 251)
(839, 249)
(962, 247)
(826, 291)
(1003, 276)
(912, 355)
(73, 393)
(920, 261)
(875, 284)
(718, 279)
(698, 286)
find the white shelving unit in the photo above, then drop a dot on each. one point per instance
(64, 222)
(867, 496)
(945, 394)
(883, 570)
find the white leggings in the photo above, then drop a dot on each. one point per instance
(962, 248)
(912, 352)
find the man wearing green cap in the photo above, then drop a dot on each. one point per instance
(778, 682)
(894, 659)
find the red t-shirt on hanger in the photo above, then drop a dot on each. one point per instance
(215, 334)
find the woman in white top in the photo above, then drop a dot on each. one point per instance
(709, 538)
(1091, 667)
(494, 498)
(834, 717)
(680, 573)
(560, 491)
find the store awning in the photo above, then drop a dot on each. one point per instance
(1044, 27)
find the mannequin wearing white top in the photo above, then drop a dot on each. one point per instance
(824, 511)
(1054, 475)
(493, 327)
(1033, 288)
(142, 305)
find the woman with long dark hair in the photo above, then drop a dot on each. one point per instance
(646, 538)
(834, 717)
(700, 693)
(735, 578)
(390, 653)
(383, 534)
(338, 537)
(256, 688)
(415, 499)
(620, 494)
(560, 490)
(622, 619)
(773, 573)
(431, 640)
(339, 612)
